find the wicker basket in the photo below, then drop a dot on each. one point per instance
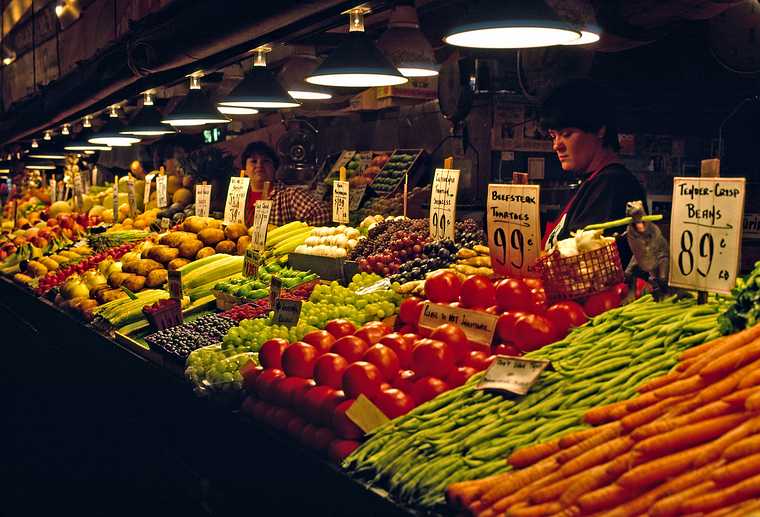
(567, 278)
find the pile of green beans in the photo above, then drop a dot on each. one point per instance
(467, 433)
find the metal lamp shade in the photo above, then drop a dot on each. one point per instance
(147, 123)
(406, 46)
(40, 165)
(195, 110)
(259, 89)
(292, 78)
(110, 135)
(47, 151)
(80, 143)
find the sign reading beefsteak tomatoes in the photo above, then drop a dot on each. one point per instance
(514, 234)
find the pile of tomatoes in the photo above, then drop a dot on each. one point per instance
(305, 388)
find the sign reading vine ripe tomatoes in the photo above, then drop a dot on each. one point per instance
(443, 204)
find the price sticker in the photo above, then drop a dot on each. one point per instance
(514, 234)
(365, 414)
(706, 233)
(513, 374)
(275, 287)
(234, 208)
(262, 210)
(251, 262)
(443, 204)
(286, 312)
(77, 179)
(60, 186)
(146, 192)
(161, 183)
(340, 202)
(165, 223)
(94, 175)
(131, 197)
(478, 326)
(202, 200)
(85, 181)
(175, 284)
(53, 189)
(115, 199)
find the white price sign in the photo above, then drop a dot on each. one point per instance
(202, 200)
(234, 209)
(115, 199)
(443, 204)
(262, 209)
(131, 197)
(706, 233)
(77, 179)
(161, 200)
(340, 202)
(478, 326)
(53, 189)
(513, 374)
(514, 234)
(94, 176)
(146, 192)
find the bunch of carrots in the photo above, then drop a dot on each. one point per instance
(688, 443)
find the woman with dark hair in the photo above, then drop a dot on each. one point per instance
(580, 118)
(260, 163)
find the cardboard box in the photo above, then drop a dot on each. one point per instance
(417, 88)
(364, 101)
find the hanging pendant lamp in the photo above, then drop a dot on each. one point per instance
(48, 151)
(259, 88)
(195, 109)
(40, 165)
(81, 142)
(148, 121)
(590, 33)
(302, 64)
(111, 135)
(406, 46)
(357, 62)
(236, 110)
(512, 24)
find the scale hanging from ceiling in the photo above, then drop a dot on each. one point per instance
(298, 149)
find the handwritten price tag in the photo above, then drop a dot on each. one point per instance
(53, 189)
(94, 176)
(365, 414)
(340, 202)
(131, 197)
(251, 262)
(146, 193)
(234, 209)
(77, 179)
(706, 233)
(202, 200)
(478, 326)
(286, 312)
(175, 285)
(262, 210)
(514, 235)
(161, 199)
(275, 286)
(115, 199)
(513, 374)
(443, 204)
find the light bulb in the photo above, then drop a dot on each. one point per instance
(35, 145)
(148, 98)
(87, 121)
(48, 135)
(114, 113)
(65, 130)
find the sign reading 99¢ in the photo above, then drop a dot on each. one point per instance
(514, 235)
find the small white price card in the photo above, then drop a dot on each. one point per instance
(94, 175)
(262, 209)
(115, 199)
(146, 192)
(286, 312)
(131, 197)
(478, 326)
(234, 209)
(77, 179)
(514, 234)
(202, 200)
(175, 284)
(340, 202)
(513, 374)
(443, 204)
(706, 233)
(53, 189)
(161, 199)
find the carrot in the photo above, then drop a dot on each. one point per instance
(737, 471)
(685, 365)
(681, 387)
(687, 406)
(603, 414)
(517, 480)
(715, 449)
(590, 480)
(535, 511)
(696, 351)
(738, 398)
(551, 492)
(742, 448)
(732, 361)
(577, 437)
(753, 379)
(669, 423)
(605, 498)
(607, 433)
(572, 511)
(641, 401)
(624, 463)
(670, 505)
(648, 414)
(601, 454)
(734, 494)
(660, 469)
(659, 382)
(728, 384)
(728, 344)
(530, 455)
(520, 496)
(753, 402)
(690, 435)
(461, 494)
(738, 510)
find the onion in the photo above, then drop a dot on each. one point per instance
(74, 288)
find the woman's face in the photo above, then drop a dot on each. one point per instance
(260, 166)
(575, 148)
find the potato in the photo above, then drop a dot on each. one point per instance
(174, 239)
(234, 231)
(113, 294)
(163, 254)
(156, 278)
(214, 223)
(242, 244)
(226, 247)
(130, 256)
(145, 266)
(211, 236)
(195, 224)
(146, 246)
(177, 263)
(205, 252)
(134, 283)
(117, 278)
(98, 291)
(190, 248)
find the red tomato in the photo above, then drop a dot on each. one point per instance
(342, 425)
(411, 337)
(328, 370)
(298, 360)
(268, 415)
(455, 304)
(340, 328)
(326, 410)
(298, 393)
(459, 376)
(265, 381)
(505, 327)
(477, 360)
(385, 359)
(341, 449)
(455, 337)
(281, 419)
(401, 346)
(566, 315)
(538, 298)
(513, 295)
(427, 388)
(621, 290)
(309, 436)
(323, 438)
(479, 347)
(477, 291)
(319, 339)
(259, 410)
(371, 334)
(378, 324)
(443, 286)
(598, 303)
(533, 283)
(352, 348)
(404, 380)
(282, 391)
(295, 427)
(533, 332)
(433, 357)
(312, 401)
(270, 354)
(406, 327)
(250, 372)
(248, 406)
(362, 377)
(393, 403)
(493, 309)
(409, 310)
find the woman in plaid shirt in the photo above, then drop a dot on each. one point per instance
(288, 203)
